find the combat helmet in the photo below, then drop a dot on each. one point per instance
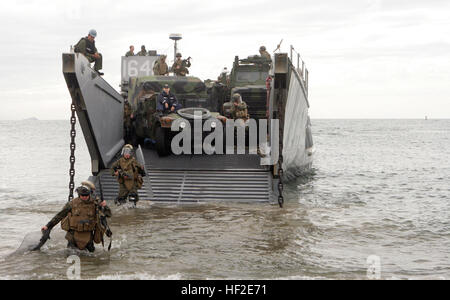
(84, 190)
(262, 48)
(237, 97)
(178, 54)
(88, 184)
(127, 149)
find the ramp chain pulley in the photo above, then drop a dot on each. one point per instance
(73, 133)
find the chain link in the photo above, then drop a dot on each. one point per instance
(280, 159)
(280, 183)
(73, 134)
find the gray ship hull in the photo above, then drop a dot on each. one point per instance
(297, 139)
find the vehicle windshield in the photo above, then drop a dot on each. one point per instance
(251, 76)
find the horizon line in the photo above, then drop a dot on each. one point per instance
(336, 118)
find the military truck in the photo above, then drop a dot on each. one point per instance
(248, 78)
(141, 88)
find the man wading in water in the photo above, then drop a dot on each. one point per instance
(129, 176)
(81, 218)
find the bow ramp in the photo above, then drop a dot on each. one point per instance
(99, 109)
(199, 179)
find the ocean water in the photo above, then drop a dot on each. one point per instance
(375, 205)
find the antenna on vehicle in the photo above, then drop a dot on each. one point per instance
(175, 37)
(278, 46)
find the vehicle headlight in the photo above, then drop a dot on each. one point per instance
(213, 124)
(183, 125)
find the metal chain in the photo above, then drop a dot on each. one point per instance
(280, 159)
(280, 185)
(73, 133)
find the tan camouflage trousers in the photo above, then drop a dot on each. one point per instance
(124, 192)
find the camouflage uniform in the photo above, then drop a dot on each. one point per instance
(88, 49)
(143, 52)
(238, 108)
(223, 77)
(127, 122)
(127, 185)
(180, 67)
(161, 68)
(239, 111)
(265, 55)
(129, 53)
(150, 109)
(80, 239)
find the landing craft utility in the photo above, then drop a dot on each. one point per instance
(273, 89)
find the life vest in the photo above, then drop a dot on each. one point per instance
(82, 221)
(90, 46)
(129, 166)
(240, 111)
(160, 68)
(164, 98)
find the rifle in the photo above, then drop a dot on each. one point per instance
(43, 240)
(186, 63)
(103, 220)
(278, 46)
(122, 173)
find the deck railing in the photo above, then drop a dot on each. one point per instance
(300, 67)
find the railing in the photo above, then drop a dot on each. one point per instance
(300, 67)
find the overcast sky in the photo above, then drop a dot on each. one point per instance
(367, 58)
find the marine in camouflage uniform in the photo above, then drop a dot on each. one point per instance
(264, 53)
(129, 175)
(86, 46)
(149, 106)
(128, 118)
(239, 108)
(81, 219)
(131, 52)
(161, 68)
(223, 77)
(180, 67)
(143, 52)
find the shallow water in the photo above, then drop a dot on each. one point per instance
(378, 192)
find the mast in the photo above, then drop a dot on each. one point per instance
(175, 37)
